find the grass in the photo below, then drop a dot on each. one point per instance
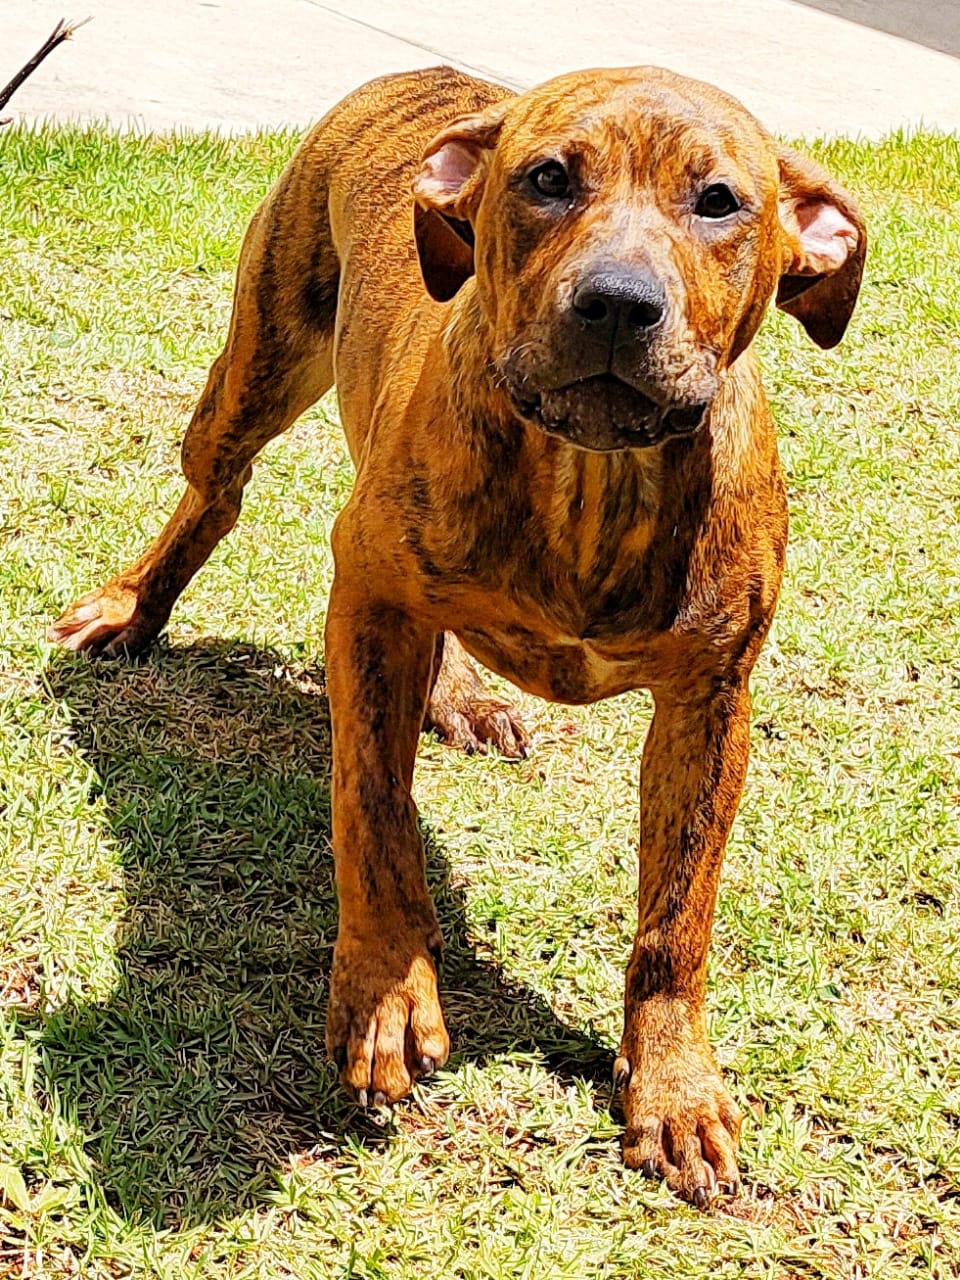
(166, 906)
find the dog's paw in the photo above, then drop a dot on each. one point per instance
(681, 1123)
(385, 1027)
(474, 725)
(462, 713)
(108, 622)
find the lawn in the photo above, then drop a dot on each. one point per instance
(166, 903)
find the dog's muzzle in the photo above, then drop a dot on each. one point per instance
(603, 413)
(603, 380)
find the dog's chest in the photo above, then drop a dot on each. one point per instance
(575, 575)
(521, 509)
(662, 622)
(562, 669)
(576, 597)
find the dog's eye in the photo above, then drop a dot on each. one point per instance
(716, 201)
(551, 179)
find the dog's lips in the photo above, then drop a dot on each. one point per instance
(603, 412)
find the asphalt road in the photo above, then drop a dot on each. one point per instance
(935, 23)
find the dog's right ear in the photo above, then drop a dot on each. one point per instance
(447, 191)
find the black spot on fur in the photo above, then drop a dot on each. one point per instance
(320, 302)
(650, 973)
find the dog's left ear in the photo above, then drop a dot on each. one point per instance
(447, 191)
(824, 246)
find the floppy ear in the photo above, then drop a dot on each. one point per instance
(447, 191)
(824, 246)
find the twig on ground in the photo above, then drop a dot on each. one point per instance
(62, 31)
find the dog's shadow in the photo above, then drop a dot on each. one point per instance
(204, 1068)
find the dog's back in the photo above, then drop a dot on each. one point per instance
(340, 219)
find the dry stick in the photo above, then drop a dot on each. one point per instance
(62, 31)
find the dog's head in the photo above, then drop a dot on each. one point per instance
(627, 230)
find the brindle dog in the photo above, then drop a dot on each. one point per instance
(565, 460)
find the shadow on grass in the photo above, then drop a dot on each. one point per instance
(206, 1069)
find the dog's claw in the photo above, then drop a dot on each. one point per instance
(701, 1197)
(427, 1067)
(621, 1075)
(473, 731)
(649, 1169)
(385, 1012)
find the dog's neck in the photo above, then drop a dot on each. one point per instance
(479, 399)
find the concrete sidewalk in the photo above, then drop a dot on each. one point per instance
(245, 64)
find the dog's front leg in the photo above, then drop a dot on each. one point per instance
(681, 1123)
(384, 1023)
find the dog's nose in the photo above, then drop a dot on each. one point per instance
(609, 301)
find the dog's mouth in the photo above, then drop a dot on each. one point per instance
(602, 412)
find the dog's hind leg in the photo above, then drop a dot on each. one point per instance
(277, 361)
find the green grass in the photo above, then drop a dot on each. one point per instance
(166, 905)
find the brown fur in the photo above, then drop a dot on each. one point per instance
(606, 546)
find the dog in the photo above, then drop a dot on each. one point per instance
(538, 311)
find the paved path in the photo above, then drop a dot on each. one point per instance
(243, 64)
